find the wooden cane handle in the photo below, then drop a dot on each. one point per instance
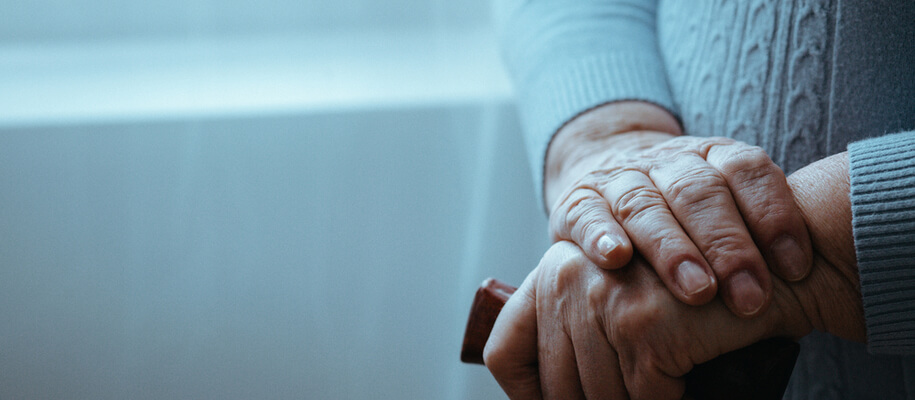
(757, 372)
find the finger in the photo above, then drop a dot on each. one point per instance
(598, 362)
(584, 217)
(511, 351)
(761, 192)
(598, 367)
(700, 199)
(560, 276)
(648, 331)
(559, 377)
(642, 211)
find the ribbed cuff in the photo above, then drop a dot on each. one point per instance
(882, 172)
(563, 90)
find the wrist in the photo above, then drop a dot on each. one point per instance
(831, 296)
(600, 135)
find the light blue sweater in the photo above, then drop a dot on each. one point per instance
(802, 79)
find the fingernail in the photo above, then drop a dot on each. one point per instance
(606, 244)
(692, 278)
(790, 258)
(747, 294)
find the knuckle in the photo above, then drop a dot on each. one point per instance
(558, 285)
(560, 272)
(638, 202)
(632, 320)
(696, 188)
(563, 218)
(691, 144)
(668, 240)
(705, 145)
(597, 294)
(747, 163)
(580, 210)
(725, 245)
(584, 216)
(565, 275)
(730, 252)
(772, 215)
(668, 150)
(681, 143)
(599, 176)
(495, 358)
(588, 226)
(566, 213)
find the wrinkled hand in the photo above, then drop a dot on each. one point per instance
(574, 330)
(699, 210)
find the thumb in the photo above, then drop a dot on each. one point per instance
(511, 352)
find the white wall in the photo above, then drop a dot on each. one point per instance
(253, 200)
(319, 256)
(44, 20)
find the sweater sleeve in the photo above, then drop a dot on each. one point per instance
(882, 172)
(568, 56)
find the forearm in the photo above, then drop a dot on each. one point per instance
(568, 56)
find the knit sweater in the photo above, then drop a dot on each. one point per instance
(803, 79)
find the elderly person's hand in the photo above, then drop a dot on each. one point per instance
(699, 210)
(574, 330)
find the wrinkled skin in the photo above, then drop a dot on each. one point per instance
(701, 211)
(576, 330)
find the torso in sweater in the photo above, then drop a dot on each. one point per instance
(800, 78)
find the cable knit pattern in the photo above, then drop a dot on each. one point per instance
(750, 105)
(721, 87)
(805, 109)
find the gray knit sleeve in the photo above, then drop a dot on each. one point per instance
(568, 56)
(882, 172)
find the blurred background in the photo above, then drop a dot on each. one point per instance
(239, 199)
